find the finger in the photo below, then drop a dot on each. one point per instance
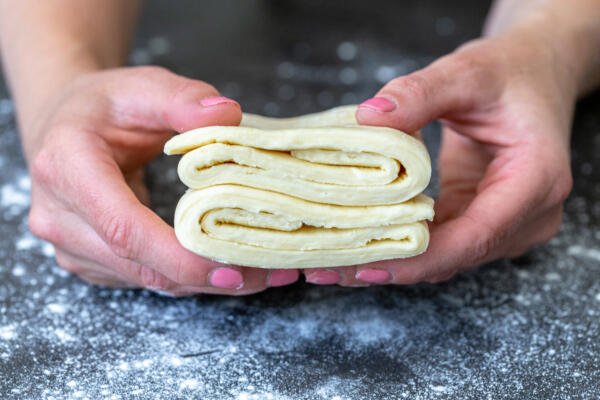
(489, 228)
(282, 277)
(97, 274)
(537, 231)
(155, 98)
(91, 272)
(70, 232)
(144, 249)
(107, 269)
(322, 276)
(94, 187)
(343, 276)
(452, 84)
(74, 238)
(463, 162)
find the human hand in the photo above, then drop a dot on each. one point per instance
(87, 187)
(505, 105)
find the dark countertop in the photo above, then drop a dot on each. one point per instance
(527, 328)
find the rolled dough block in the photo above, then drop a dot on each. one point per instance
(311, 191)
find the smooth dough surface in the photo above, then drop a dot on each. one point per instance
(310, 191)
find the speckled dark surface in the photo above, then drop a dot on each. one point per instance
(526, 329)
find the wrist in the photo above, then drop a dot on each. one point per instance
(569, 33)
(36, 90)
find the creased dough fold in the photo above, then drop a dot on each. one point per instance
(311, 191)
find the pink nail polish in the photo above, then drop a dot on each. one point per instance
(226, 278)
(214, 101)
(323, 277)
(373, 275)
(379, 104)
(282, 277)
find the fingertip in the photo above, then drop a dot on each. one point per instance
(372, 275)
(322, 277)
(207, 111)
(226, 277)
(386, 111)
(376, 111)
(213, 101)
(379, 105)
(282, 277)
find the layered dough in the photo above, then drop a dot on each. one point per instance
(310, 191)
(345, 164)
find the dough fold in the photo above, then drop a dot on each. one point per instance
(310, 191)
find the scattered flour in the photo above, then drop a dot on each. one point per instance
(7, 332)
(56, 308)
(502, 332)
(11, 195)
(580, 251)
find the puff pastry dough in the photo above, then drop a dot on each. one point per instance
(311, 191)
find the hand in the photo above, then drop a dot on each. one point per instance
(505, 107)
(87, 188)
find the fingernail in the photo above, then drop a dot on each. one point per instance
(226, 278)
(213, 101)
(323, 277)
(373, 275)
(379, 104)
(282, 277)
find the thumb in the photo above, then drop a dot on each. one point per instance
(157, 99)
(452, 84)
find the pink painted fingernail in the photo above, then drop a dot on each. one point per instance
(226, 278)
(214, 101)
(282, 277)
(373, 275)
(379, 104)
(323, 277)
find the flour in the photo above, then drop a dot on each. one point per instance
(526, 328)
(581, 251)
(13, 196)
(7, 332)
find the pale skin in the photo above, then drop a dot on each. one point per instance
(89, 127)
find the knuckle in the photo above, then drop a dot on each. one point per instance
(482, 250)
(188, 275)
(43, 227)
(68, 264)
(486, 241)
(152, 71)
(441, 277)
(181, 274)
(118, 233)
(409, 276)
(476, 68)
(153, 280)
(42, 167)
(414, 86)
(562, 187)
(38, 225)
(551, 229)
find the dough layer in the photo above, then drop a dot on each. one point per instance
(252, 227)
(314, 160)
(311, 191)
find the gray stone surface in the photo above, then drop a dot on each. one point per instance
(526, 328)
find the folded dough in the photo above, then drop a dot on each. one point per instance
(344, 164)
(311, 191)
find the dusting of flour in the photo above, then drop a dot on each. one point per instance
(522, 329)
